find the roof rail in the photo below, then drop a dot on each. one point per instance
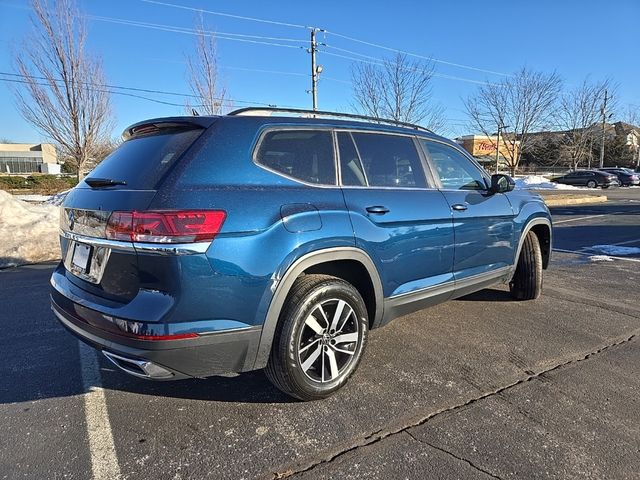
(267, 111)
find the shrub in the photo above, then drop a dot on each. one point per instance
(39, 184)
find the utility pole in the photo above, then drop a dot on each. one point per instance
(500, 128)
(315, 69)
(603, 110)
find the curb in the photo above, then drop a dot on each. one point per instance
(573, 200)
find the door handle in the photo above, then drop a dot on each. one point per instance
(459, 207)
(378, 209)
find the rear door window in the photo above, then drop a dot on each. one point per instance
(390, 160)
(350, 166)
(305, 155)
(142, 161)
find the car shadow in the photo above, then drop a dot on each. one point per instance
(487, 295)
(39, 359)
(248, 387)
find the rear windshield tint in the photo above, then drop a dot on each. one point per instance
(142, 161)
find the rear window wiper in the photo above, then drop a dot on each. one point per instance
(103, 182)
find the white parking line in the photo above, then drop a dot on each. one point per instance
(637, 240)
(585, 254)
(591, 216)
(104, 462)
(579, 218)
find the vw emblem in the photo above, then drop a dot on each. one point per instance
(72, 219)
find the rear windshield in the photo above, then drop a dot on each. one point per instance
(141, 162)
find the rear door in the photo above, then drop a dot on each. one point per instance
(398, 217)
(483, 222)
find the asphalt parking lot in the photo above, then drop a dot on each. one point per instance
(480, 387)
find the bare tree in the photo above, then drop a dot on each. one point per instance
(204, 79)
(62, 94)
(524, 102)
(632, 115)
(397, 89)
(578, 115)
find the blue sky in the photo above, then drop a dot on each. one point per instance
(576, 38)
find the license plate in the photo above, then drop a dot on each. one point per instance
(81, 255)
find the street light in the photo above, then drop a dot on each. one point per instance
(500, 127)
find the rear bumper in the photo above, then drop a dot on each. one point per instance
(214, 353)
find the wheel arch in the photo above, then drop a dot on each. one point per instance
(330, 261)
(541, 226)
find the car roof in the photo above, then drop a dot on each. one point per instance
(258, 121)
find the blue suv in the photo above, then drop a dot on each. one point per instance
(277, 239)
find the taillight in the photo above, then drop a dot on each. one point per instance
(184, 226)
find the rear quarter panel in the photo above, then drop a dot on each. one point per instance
(254, 246)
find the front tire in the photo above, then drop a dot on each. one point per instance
(320, 337)
(526, 283)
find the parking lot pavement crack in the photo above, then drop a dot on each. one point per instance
(376, 436)
(580, 299)
(453, 455)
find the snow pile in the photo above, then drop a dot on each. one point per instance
(33, 198)
(615, 250)
(538, 182)
(28, 233)
(600, 258)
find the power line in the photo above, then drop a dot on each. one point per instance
(231, 34)
(260, 70)
(109, 89)
(223, 36)
(222, 14)
(190, 31)
(380, 62)
(14, 80)
(437, 60)
(336, 34)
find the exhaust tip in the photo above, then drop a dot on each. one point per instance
(138, 368)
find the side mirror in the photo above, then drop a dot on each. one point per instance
(501, 183)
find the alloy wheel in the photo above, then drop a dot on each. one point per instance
(328, 340)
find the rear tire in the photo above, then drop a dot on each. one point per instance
(320, 338)
(526, 283)
(592, 184)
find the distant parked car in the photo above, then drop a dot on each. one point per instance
(588, 178)
(626, 176)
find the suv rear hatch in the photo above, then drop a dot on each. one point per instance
(99, 216)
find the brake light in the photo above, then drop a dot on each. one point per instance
(184, 226)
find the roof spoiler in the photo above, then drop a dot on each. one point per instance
(174, 123)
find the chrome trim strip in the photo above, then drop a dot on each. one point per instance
(335, 131)
(172, 248)
(98, 242)
(482, 277)
(432, 290)
(152, 248)
(452, 285)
